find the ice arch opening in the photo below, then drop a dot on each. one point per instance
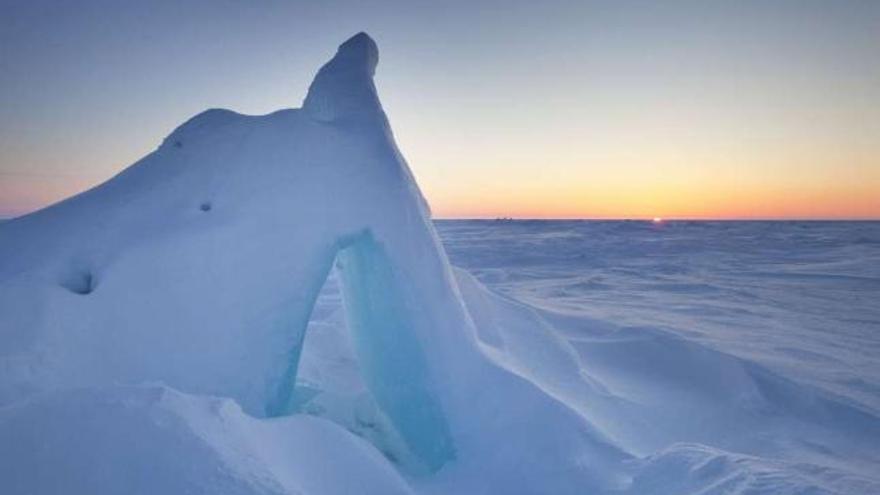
(398, 413)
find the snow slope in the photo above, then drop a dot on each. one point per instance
(736, 357)
(262, 305)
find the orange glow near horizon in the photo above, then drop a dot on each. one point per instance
(852, 202)
(785, 209)
(605, 173)
(715, 176)
(575, 200)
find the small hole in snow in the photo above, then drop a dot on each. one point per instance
(79, 282)
(178, 144)
(206, 206)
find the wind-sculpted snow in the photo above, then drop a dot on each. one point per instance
(262, 305)
(137, 280)
(150, 439)
(705, 350)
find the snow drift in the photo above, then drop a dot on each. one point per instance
(152, 332)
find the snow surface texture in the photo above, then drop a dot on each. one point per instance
(744, 355)
(262, 305)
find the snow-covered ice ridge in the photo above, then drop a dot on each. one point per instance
(262, 306)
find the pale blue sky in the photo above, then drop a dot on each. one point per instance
(555, 108)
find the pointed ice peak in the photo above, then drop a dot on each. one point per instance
(343, 90)
(358, 52)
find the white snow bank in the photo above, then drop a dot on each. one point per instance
(151, 439)
(750, 430)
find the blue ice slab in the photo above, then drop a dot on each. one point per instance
(391, 356)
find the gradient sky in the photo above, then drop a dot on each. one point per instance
(620, 109)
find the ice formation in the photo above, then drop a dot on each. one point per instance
(135, 281)
(152, 331)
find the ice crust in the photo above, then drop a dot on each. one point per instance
(154, 339)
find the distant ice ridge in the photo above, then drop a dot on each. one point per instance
(153, 328)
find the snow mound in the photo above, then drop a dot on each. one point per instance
(137, 281)
(150, 439)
